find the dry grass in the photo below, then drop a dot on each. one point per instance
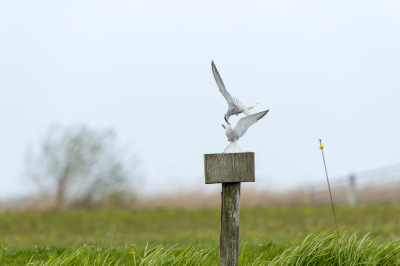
(388, 192)
(199, 200)
(183, 200)
(38, 203)
(249, 199)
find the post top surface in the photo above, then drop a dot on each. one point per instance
(229, 152)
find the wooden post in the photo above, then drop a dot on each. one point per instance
(229, 169)
(352, 196)
(229, 242)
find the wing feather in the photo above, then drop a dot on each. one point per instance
(251, 107)
(221, 85)
(236, 101)
(245, 122)
(246, 112)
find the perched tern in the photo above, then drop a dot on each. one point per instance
(234, 134)
(235, 106)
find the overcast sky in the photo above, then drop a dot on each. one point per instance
(325, 69)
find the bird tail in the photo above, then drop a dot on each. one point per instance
(232, 148)
(251, 107)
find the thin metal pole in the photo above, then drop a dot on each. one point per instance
(327, 179)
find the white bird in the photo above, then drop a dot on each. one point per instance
(234, 134)
(235, 106)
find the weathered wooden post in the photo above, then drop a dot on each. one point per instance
(230, 169)
(352, 195)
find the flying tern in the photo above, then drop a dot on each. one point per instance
(235, 106)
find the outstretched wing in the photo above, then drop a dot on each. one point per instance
(221, 85)
(245, 122)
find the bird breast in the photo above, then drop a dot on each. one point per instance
(230, 133)
(234, 110)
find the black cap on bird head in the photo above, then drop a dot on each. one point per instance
(226, 119)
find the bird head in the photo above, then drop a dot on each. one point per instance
(226, 120)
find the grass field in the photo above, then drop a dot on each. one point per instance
(100, 234)
(319, 249)
(186, 227)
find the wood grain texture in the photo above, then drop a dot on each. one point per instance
(229, 167)
(230, 216)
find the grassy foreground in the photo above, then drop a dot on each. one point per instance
(319, 249)
(188, 227)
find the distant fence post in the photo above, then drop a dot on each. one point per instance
(352, 193)
(230, 169)
(311, 195)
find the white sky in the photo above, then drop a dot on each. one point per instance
(326, 69)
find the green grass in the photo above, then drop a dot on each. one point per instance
(191, 237)
(254, 251)
(327, 250)
(317, 249)
(187, 227)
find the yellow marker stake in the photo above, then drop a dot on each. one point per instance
(327, 179)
